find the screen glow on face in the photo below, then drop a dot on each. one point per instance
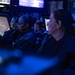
(32, 3)
(4, 25)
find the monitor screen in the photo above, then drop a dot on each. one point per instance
(4, 25)
(46, 21)
(4, 1)
(32, 3)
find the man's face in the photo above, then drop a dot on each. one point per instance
(21, 26)
(36, 26)
(52, 25)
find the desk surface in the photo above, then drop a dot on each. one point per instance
(29, 64)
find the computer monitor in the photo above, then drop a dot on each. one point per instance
(32, 3)
(4, 25)
(4, 1)
(46, 22)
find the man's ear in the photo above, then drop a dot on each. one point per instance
(59, 24)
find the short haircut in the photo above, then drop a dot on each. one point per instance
(16, 19)
(27, 19)
(40, 23)
(66, 19)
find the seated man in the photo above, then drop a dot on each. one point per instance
(38, 28)
(6, 39)
(24, 37)
(60, 40)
